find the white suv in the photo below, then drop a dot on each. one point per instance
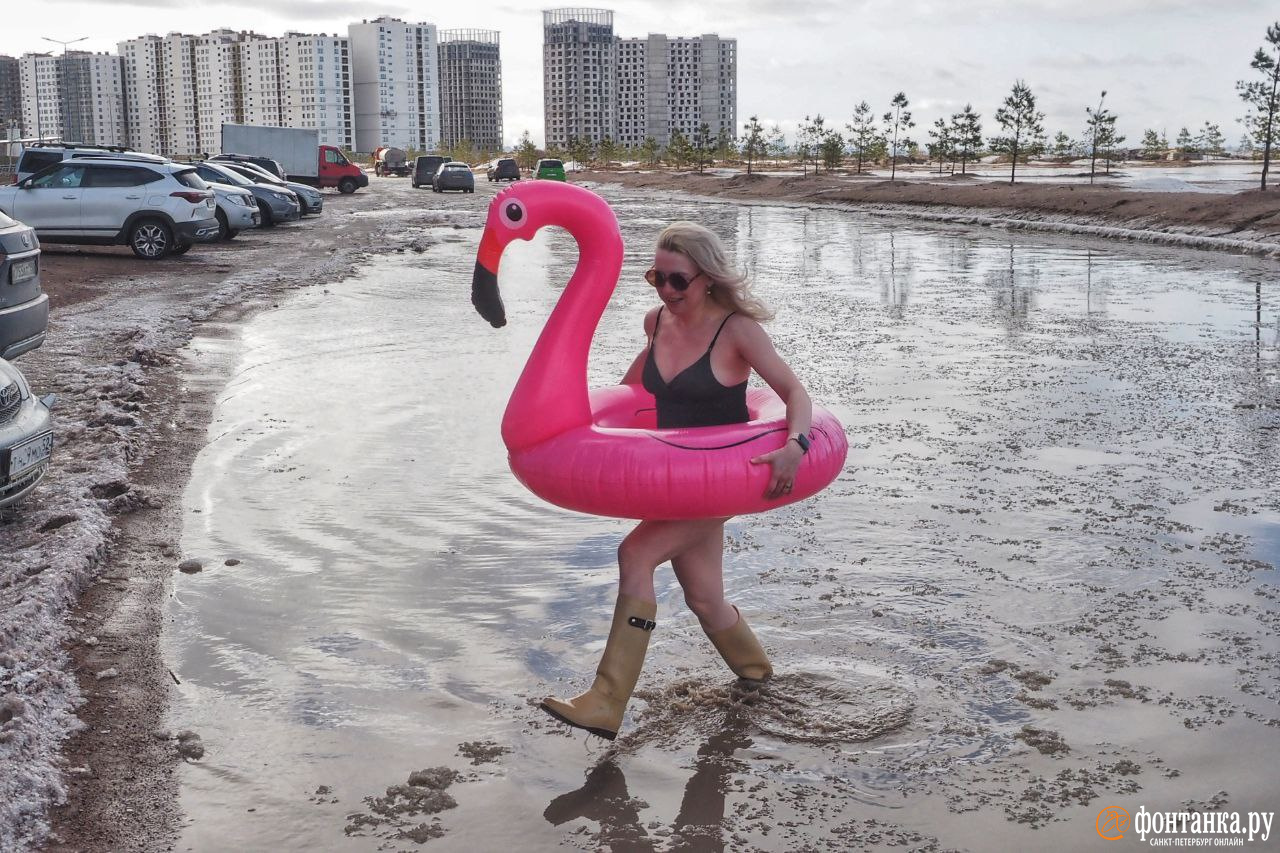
(156, 209)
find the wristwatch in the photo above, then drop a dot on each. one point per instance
(802, 440)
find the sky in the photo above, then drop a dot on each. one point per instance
(1164, 65)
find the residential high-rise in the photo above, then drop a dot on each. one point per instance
(470, 89)
(395, 84)
(41, 98)
(666, 85)
(315, 86)
(597, 86)
(77, 96)
(219, 57)
(10, 97)
(146, 105)
(579, 67)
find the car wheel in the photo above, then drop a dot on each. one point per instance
(181, 249)
(224, 229)
(347, 186)
(150, 239)
(268, 220)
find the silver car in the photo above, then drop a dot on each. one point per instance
(26, 436)
(24, 308)
(237, 209)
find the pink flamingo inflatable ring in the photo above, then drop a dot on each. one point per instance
(600, 451)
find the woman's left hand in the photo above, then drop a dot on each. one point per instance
(785, 461)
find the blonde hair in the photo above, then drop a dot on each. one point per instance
(729, 287)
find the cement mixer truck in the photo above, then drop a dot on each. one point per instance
(390, 161)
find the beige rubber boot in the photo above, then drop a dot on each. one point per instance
(742, 651)
(599, 710)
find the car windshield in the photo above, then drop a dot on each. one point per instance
(457, 168)
(552, 164)
(257, 171)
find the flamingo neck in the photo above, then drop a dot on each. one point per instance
(551, 395)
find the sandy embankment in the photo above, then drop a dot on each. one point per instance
(1240, 222)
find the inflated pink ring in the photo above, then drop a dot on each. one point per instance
(601, 452)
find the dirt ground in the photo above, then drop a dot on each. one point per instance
(115, 357)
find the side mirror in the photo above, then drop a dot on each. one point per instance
(24, 184)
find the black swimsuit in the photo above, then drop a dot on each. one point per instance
(694, 397)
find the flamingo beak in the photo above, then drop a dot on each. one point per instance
(484, 281)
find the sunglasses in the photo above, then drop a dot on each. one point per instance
(678, 280)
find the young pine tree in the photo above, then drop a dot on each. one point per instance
(753, 143)
(897, 121)
(863, 137)
(1021, 122)
(1263, 97)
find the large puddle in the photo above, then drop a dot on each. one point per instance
(1044, 584)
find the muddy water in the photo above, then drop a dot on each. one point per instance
(1044, 584)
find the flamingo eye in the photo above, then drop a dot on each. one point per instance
(512, 214)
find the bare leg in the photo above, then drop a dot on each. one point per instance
(700, 570)
(653, 543)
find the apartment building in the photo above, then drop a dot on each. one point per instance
(10, 97)
(315, 86)
(77, 96)
(669, 84)
(598, 85)
(395, 84)
(220, 83)
(579, 68)
(146, 111)
(470, 89)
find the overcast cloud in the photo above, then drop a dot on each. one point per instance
(1165, 65)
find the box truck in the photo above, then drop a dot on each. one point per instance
(300, 153)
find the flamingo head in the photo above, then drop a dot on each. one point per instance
(517, 213)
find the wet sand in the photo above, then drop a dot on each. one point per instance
(1076, 674)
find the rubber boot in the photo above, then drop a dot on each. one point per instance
(599, 710)
(742, 651)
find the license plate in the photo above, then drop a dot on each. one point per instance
(23, 270)
(29, 454)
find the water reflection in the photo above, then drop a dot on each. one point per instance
(699, 825)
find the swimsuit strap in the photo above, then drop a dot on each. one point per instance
(718, 331)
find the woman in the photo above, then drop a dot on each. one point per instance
(704, 341)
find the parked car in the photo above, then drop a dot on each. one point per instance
(26, 436)
(237, 209)
(454, 176)
(39, 156)
(549, 170)
(309, 197)
(156, 209)
(275, 204)
(271, 165)
(425, 168)
(506, 169)
(24, 307)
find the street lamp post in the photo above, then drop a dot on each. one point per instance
(62, 68)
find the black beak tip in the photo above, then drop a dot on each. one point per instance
(486, 298)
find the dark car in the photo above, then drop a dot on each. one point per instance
(272, 166)
(425, 168)
(454, 176)
(24, 307)
(505, 169)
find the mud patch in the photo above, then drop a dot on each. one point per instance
(395, 815)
